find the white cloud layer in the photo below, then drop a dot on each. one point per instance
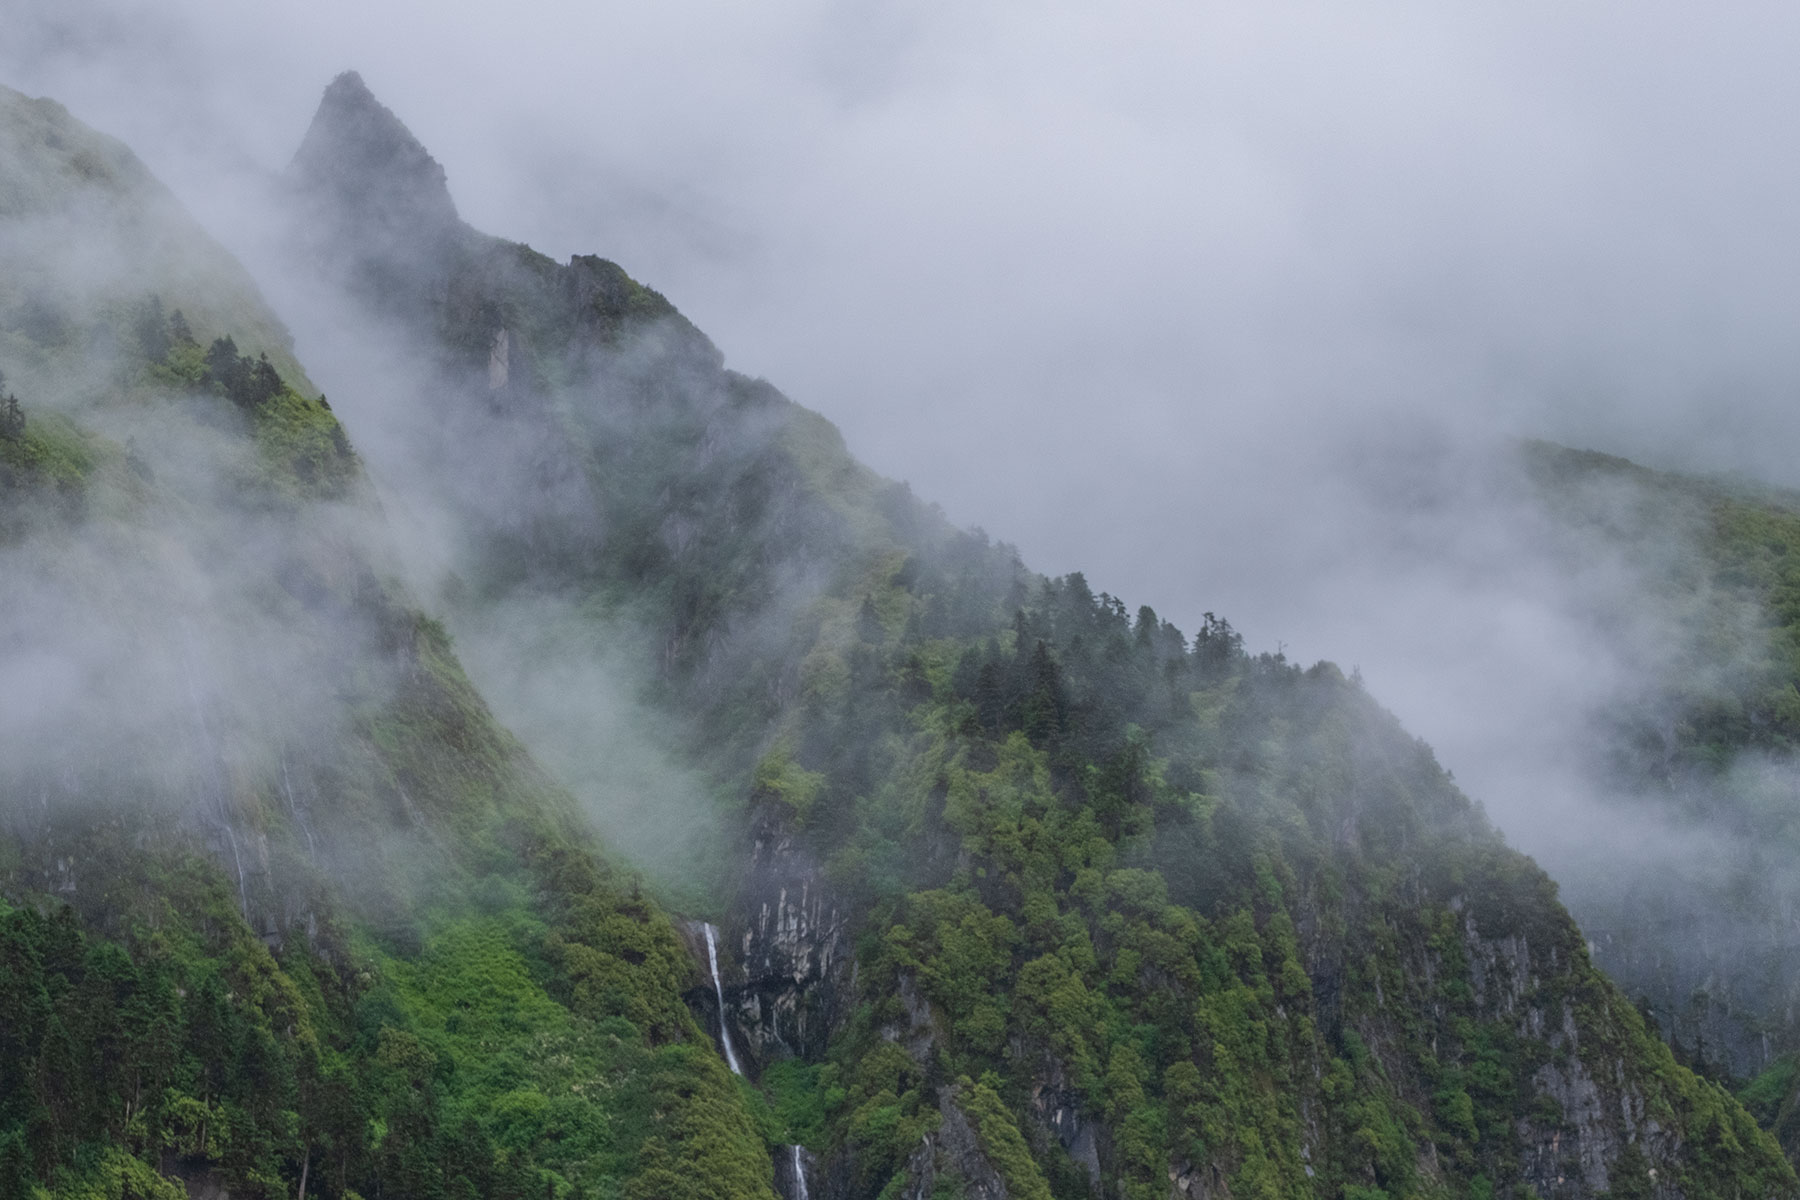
(1216, 302)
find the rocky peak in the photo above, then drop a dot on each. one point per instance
(364, 166)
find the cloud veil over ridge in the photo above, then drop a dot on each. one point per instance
(1224, 306)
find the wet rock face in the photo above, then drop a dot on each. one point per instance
(786, 990)
(1056, 1109)
(952, 1151)
(199, 1179)
(794, 1166)
(1585, 1152)
(1207, 1182)
(1595, 1128)
(1728, 990)
(1584, 1145)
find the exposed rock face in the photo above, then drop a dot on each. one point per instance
(705, 989)
(794, 1168)
(1188, 1182)
(499, 357)
(1056, 1108)
(1598, 1116)
(792, 931)
(201, 1180)
(380, 194)
(1725, 987)
(357, 146)
(954, 1151)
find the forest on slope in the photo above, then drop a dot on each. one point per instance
(874, 689)
(1021, 893)
(284, 910)
(1699, 924)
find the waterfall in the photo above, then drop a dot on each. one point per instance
(287, 789)
(213, 762)
(799, 1176)
(712, 960)
(238, 862)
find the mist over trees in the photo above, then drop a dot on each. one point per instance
(998, 884)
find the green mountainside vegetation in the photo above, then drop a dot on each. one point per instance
(1706, 748)
(285, 911)
(1030, 894)
(1019, 892)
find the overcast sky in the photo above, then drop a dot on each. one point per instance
(1202, 299)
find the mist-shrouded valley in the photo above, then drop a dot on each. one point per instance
(463, 735)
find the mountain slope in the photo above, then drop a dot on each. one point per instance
(1021, 894)
(1700, 923)
(282, 909)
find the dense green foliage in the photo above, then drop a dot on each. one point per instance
(1708, 745)
(502, 1058)
(1214, 899)
(1216, 909)
(1725, 560)
(301, 443)
(325, 931)
(328, 929)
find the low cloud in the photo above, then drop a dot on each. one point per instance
(1233, 308)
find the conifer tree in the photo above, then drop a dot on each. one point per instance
(265, 381)
(12, 418)
(223, 365)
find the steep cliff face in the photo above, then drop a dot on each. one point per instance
(793, 935)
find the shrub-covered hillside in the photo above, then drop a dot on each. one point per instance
(283, 911)
(1021, 892)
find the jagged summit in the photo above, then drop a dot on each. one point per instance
(373, 210)
(363, 166)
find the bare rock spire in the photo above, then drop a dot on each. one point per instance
(377, 209)
(359, 155)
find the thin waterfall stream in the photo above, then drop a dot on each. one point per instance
(712, 960)
(799, 1176)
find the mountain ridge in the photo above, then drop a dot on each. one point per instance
(1018, 893)
(921, 731)
(271, 871)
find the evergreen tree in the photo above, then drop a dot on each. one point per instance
(1146, 629)
(1216, 645)
(1046, 703)
(225, 368)
(264, 382)
(990, 696)
(12, 418)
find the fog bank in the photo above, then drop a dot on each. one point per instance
(1227, 307)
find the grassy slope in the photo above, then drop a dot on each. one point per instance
(123, 235)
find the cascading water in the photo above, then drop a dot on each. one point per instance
(294, 809)
(799, 1176)
(217, 790)
(712, 960)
